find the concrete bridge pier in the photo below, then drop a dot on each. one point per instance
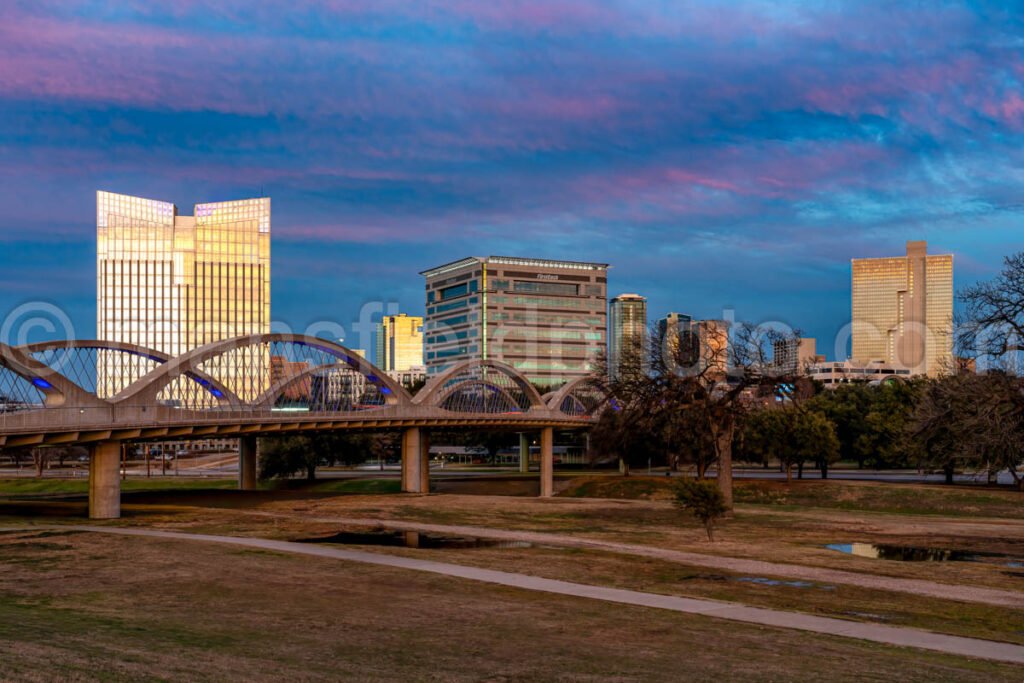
(524, 452)
(547, 462)
(105, 480)
(247, 455)
(415, 462)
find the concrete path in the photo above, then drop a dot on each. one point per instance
(887, 635)
(932, 589)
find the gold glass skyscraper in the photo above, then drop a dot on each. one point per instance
(172, 283)
(903, 310)
(399, 343)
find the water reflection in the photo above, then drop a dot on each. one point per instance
(412, 539)
(909, 553)
(902, 553)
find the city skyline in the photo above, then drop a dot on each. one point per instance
(617, 144)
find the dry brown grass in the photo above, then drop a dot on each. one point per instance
(87, 607)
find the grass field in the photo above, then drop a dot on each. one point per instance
(136, 607)
(855, 496)
(84, 607)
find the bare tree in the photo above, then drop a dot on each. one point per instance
(992, 325)
(684, 401)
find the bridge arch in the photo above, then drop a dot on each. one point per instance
(583, 396)
(338, 390)
(54, 388)
(83, 370)
(146, 389)
(474, 384)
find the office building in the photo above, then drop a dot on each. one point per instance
(676, 341)
(902, 310)
(172, 283)
(693, 346)
(399, 342)
(627, 333)
(547, 319)
(412, 377)
(795, 356)
(713, 342)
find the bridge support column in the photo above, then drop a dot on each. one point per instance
(412, 461)
(247, 463)
(547, 462)
(524, 452)
(424, 461)
(105, 480)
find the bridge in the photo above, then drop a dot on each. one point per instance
(101, 394)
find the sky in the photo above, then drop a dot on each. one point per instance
(718, 155)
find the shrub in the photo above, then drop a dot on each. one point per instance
(704, 500)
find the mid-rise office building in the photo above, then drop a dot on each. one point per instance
(399, 342)
(547, 319)
(902, 310)
(172, 283)
(627, 333)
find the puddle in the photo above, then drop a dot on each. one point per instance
(908, 553)
(775, 582)
(764, 581)
(868, 615)
(412, 539)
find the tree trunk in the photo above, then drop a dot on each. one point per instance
(623, 467)
(702, 470)
(800, 470)
(948, 470)
(725, 466)
(824, 469)
(709, 526)
(789, 474)
(310, 472)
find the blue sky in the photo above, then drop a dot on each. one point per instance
(718, 158)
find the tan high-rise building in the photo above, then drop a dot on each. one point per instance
(713, 341)
(399, 343)
(903, 311)
(171, 283)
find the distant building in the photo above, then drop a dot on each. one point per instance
(547, 319)
(834, 373)
(399, 342)
(410, 377)
(713, 342)
(677, 340)
(172, 283)
(796, 356)
(627, 332)
(282, 369)
(695, 346)
(902, 311)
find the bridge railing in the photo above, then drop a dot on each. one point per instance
(148, 417)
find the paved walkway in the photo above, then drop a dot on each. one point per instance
(887, 635)
(932, 589)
